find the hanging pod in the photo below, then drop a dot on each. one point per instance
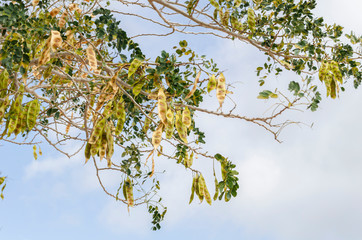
(162, 106)
(186, 117)
(221, 89)
(181, 129)
(170, 124)
(157, 136)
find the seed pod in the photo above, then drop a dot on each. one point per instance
(121, 113)
(94, 149)
(157, 136)
(55, 40)
(45, 55)
(203, 187)
(110, 144)
(32, 115)
(62, 21)
(225, 18)
(103, 147)
(162, 106)
(4, 82)
(170, 124)
(92, 60)
(181, 129)
(197, 189)
(146, 126)
(186, 160)
(221, 90)
(251, 20)
(108, 109)
(124, 190)
(323, 70)
(136, 63)
(129, 193)
(216, 189)
(191, 159)
(186, 117)
(55, 11)
(214, 3)
(14, 114)
(211, 85)
(87, 152)
(223, 170)
(3, 105)
(97, 131)
(194, 87)
(336, 71)
(192, 190)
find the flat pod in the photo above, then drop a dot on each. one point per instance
(92, 60)
(97, 131)
(195, 86)
(157, 136)
(32, 115)
(181, 129)
(221, 89)
(186, 117)
(162, 106)
(211, 85)
(87, 152)
(251, 20)
(170, 124)
(56, 40)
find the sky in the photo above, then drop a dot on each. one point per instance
(308, 187)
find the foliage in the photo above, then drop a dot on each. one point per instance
(69, 70)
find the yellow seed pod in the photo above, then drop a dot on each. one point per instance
(197, 189)
(225, 18)
(55, 40)
(32, 115)
(221, 89)
(191, 159)
(110, 145)
(186, 117)
(4, 82)
(170, 124)
(97, 131)
(45, 55)
(92, 60)
(181, 129)
(87, 152)
(195, 86)
(251, 20)
(162, 106)
(108, 109)
(136, 63)
(146, 126)
(205, 190)
(62, 21)
(211, 85)
(186, 160)
(157, 136)
(94, 149)
(323, 70)
(336, 71)
(55, 11)
(103, 148)
(129, 193)
(153, 95)
(192, 190)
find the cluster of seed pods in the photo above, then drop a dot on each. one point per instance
(199, 187)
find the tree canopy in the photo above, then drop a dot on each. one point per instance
(69, 65)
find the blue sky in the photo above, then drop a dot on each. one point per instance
(308, 187)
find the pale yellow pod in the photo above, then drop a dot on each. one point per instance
(45, 55)
(186, 117)
(170, 124)
(62, 21)
(251, 20)
(195, 86)
(181, 129)
(55, 40)
(129, 193)
(157, 136)
(55, 11)
(186, 160)
(206, 191)
(92, 60)
(34, 152)
(211, 85)
(162, 106)
(221, 89)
